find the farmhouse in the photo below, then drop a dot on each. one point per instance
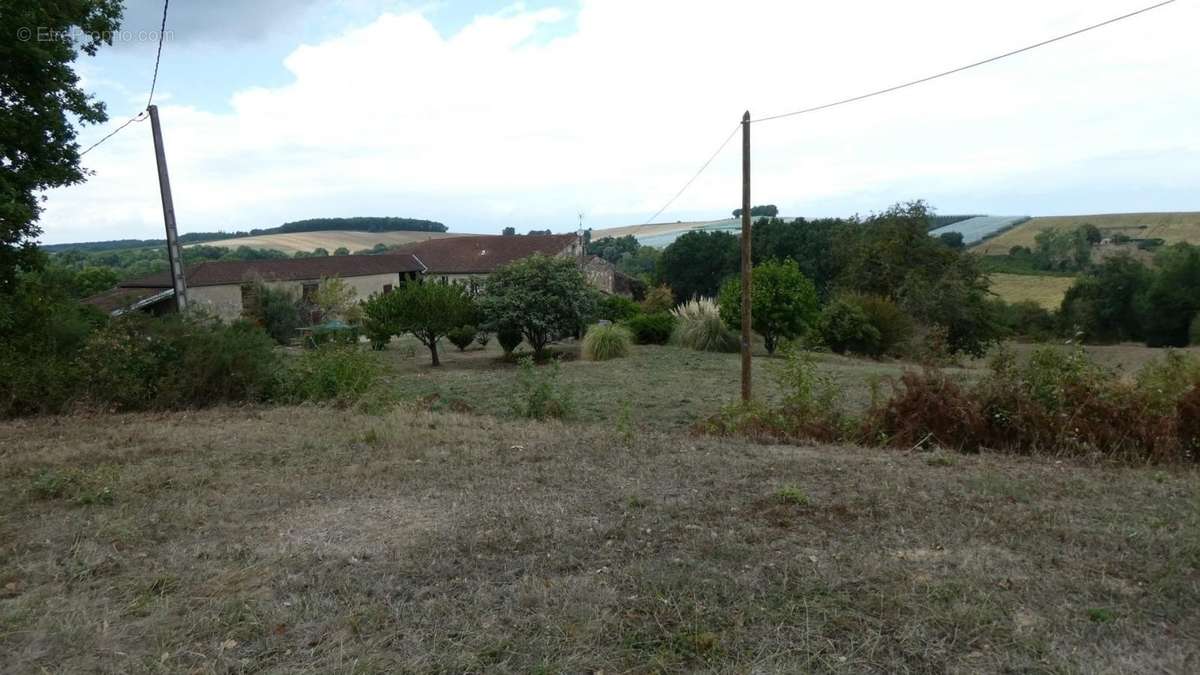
(224, 287)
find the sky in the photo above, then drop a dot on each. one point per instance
(483, 115)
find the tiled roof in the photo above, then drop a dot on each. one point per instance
(120, 298)
(484, 253)
(223, 272)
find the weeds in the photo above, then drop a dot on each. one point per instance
(334, 373)
(792, 494)
(540, 394)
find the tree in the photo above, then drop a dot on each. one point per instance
(427, 310)
(1173, 297)
(1102, 304)
(39, 94)
(952, 239)
(783, 302)
(613, 249)
(762, 210)
(809, 243)
(509, 231)
(539, 232)
(544, 297)
(341, 250)
(696, 263)
(336, 298)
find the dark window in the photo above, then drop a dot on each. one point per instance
(387, 288)
(309, 292)
(249, 299)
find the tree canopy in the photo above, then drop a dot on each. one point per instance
(426, 310)
(543, 297)
(39, 96)
(696, 263)
(783, 302)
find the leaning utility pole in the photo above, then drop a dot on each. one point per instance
(174, 255)
(746, 257)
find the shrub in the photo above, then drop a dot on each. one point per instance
(540, 394)
(659, 299)
(462, 337)
(337, 373)
(427, 310)
(699, 326)
(482, 338)
(652, 329)
(509, 338)
(604, 342)
(783, 302)
(616, 308)
(1194, 331)
(894, 326)
(844, 327)
(334, 332)
(139, 362)
(926, 409)
(277, 311)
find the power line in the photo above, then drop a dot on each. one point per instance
(140, 117)
(962, 68)
(697, 175)
(162, 33)
(897, 87)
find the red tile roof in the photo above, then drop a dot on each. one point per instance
(484, 253)
(120, 298)
(223, 272)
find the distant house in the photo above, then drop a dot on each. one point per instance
(225, 288)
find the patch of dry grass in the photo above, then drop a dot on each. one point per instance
(320, 540)
(1046, 291)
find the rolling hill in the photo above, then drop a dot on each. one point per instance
(1170, 227)
(329, 240)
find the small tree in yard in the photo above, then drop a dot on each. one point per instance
(543, 297)
(428, 311)
(336, 299)
(783, 302)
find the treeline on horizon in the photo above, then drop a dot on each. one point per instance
(357, 224)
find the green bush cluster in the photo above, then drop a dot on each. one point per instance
(462, 337)
(341, 374)
(651, 329)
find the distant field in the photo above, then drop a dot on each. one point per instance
(1044, 290)
(327, 239)
(1171, 227)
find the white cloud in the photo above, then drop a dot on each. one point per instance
(492, 126)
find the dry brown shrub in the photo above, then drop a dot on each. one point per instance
(927, 408)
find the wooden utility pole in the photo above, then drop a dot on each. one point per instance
(746, 257)
(174, 255)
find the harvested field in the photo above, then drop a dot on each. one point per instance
(1046, 291)
(329, 240)
(1170, 227)
(321, 540)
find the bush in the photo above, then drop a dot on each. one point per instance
(659, 299)
(616, 308)
(334, 332)
(462, 337)
(926, 410)
(482, 338)
(699, 326)
(604, 342)
(277, 311)
(139, 362)
(894, 326)
(1194, 331)
(509, 338)
(844, 327)
(1027, 319)
(540, 394)
(544, 297)
(783, 302)
(652, 329)
(338, 373)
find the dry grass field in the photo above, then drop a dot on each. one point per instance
(417, 539)
(330, 240)
(1171, 227)
(322, 540)
(1046, 291)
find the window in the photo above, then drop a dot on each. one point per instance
(249, 299)
(309, 292)
(387, 288)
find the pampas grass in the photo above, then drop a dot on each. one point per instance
(698, 326)
(604, 342)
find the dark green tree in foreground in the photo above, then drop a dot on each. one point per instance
(697, 262)
(39, 95)
(427, 310)
(783, 302)
(543, 297)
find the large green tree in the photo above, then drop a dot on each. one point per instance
(783, 302)
(809, 242)
(39, 96)
(543, 297)
(1102, 304)
(1172, 299)
(697, 262)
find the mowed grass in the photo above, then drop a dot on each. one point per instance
(1046, 291)
(329, 240)
(320, 540)
(1171, 227)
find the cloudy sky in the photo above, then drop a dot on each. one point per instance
(486, 114)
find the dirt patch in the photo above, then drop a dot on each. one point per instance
(360, 526)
